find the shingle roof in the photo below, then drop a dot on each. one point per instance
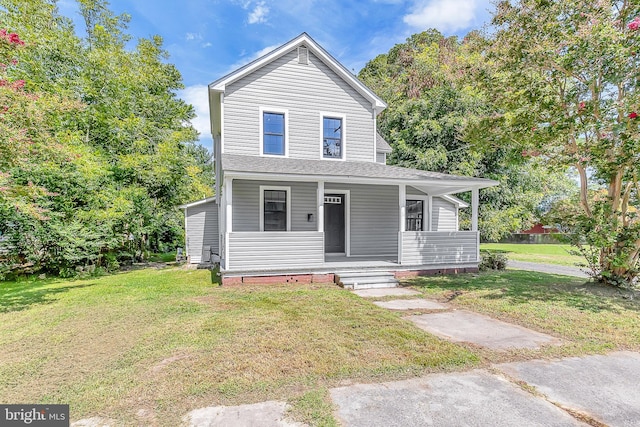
(343, 169)
(382, 146)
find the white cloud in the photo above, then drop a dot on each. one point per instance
(196, 95)
(207, 44)
(259, 13)
(256, 55)
(444, 15)
(193, 36)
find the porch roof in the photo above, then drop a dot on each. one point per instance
(283, 168)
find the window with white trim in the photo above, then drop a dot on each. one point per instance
(275, 208)
(273, 134)
(415, 215)
(332, 141)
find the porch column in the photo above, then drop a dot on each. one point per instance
(429, 213)
(402, 202)
(321, 206)
(475, 201)
(229, 202)
(228, 198)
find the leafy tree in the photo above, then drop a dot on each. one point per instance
(428, 83)
(565, 75)
(96, 146)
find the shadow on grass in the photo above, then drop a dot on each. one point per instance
(521, 287)
(17, 296)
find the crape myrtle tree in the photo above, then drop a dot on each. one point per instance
(96, 149)
(428, 83)
(565, 77)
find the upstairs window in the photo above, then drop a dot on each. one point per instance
(273, 134)
(415, 213)
(332, 143)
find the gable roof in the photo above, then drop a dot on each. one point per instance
(253, 167)
(303, 39)
(198, 202)
(382, 146)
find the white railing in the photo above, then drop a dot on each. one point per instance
(274, 250)
(439, 247)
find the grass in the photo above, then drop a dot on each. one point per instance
(145, 347)
(590, 318)
(148, 346)
(540, 253)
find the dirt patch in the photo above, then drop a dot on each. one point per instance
(213, 302)
(166, 362)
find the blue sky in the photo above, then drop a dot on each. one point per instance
(206, 39)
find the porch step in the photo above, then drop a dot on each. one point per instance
(366, 279)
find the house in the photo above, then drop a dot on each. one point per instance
(302, 187)
(201, 229)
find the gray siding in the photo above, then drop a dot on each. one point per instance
(381, 158)
(201, 230)
(374, 218)
(305, 91)
(246, 204)
(437, 247)
(445, 215)
(275, 250)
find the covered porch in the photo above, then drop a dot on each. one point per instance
(332, 223)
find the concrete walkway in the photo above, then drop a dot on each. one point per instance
(563, 270)
(466, 326)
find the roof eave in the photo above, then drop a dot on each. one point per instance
(470, 183)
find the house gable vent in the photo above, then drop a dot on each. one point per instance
(303, 55)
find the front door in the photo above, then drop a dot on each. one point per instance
(334, 234)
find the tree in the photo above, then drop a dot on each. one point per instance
(565, 76)
(427, 83)
(96, 146)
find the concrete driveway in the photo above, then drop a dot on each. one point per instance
(591, 390)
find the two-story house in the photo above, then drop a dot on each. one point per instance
(302, 188)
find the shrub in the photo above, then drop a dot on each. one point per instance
(492, 260)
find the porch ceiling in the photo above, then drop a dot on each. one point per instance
(274, 168)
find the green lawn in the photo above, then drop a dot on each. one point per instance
(590, 317)
(167, 341)
(145, 347)
(543, 253)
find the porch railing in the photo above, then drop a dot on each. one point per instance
(272, 250)
(439, 247)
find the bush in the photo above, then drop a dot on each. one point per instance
(492, 260)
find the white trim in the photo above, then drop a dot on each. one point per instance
(375, 137)
(320, 203)
(425, 209)
(276, 110)
(342, 117)
(448, 186)
(222, 123)
(402, 202)
(347, 219)
(198, 202)
(229, 204)
(455, 200)
(430, 202)
(303, 39)
(278, 188)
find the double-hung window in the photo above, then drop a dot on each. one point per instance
(275, 208)
(273, 133)
(415, 214)
(332, 137)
